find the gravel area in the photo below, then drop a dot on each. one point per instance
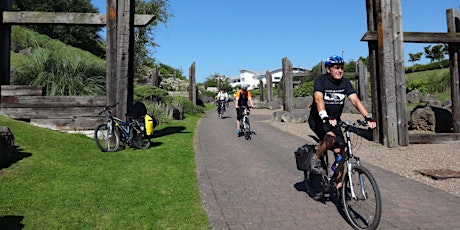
(402, 160)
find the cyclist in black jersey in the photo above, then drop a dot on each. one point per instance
(330, 91)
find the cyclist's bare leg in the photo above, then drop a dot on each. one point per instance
(327, 143)
(338, 152)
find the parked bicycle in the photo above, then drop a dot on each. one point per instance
(245, 126)
(221, 108)
(359, 195)
(131, 132)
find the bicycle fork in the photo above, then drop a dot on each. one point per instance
(361, 182)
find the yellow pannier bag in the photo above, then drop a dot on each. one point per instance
(148, 124)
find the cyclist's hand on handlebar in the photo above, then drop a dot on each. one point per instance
(370, 122)
(332, 121)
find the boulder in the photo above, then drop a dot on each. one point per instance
(6, 146)
(296, 116)
(303, 102)
(276, 116)
(414, 96)
(423, 118)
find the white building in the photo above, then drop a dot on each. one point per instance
(251, 79)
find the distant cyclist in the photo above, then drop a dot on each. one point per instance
(222, 97)
(330, 91)
(242, 97)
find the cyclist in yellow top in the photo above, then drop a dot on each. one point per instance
(242, 97)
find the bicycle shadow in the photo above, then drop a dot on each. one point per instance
(11, 222)
(168, 131)
(330, 196)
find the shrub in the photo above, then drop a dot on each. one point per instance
(305, 89)
(420, 84)
(61, 73)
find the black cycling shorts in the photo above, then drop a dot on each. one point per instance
(317, 127)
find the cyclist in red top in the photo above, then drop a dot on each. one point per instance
(242, 97)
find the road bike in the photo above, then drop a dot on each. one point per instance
(245, 126)
(221, 108)
(109, 135)
(359, 195)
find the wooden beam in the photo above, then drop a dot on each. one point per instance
(419, 37)
(27, 17)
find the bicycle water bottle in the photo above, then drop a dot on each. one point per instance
(336, 163)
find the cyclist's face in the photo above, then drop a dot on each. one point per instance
(336, 71)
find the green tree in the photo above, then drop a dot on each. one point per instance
(435, 53)
(145, 35)
(83, 37)
(415, 57)
(213, 79)
(350, 66)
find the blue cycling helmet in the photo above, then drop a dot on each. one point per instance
(334, 60)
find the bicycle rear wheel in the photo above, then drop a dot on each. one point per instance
(365, 209)
(107, 140)
(140, 140)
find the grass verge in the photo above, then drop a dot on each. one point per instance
(63, 181)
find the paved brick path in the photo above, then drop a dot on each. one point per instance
(252, 185)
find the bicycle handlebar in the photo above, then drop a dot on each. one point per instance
(346, 124)
(107, 108)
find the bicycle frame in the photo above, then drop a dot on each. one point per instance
(123, 126)
(347, 160)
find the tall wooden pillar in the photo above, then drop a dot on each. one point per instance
(261, 90)
(268, 76)
(386, 60)
(111, 53)
(125, 56)
(192, 80)
(5, 42)
(362, 80)
(453, 26)
(287, 85)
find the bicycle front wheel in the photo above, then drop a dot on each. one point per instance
(247, 129)
(361, 198)
(108, 140)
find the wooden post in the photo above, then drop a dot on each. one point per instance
(268, 76)
(287, 85)
(453, 26)
(192, 90)
(111, 53)
(156, 77)
(362, 80)
(388, 65)
(5, 41)
(322, 68)
(125, 56)
(261, 90)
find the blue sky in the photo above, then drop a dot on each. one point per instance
(224, 37)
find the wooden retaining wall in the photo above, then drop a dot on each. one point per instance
(67, 113)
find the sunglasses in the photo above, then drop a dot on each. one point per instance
(337, 67)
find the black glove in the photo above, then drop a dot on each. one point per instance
(369, 119)
(326, 125)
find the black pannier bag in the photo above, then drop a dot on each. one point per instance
(139, 110)
(303, 155)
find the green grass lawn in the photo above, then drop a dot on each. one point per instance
(63, 181)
